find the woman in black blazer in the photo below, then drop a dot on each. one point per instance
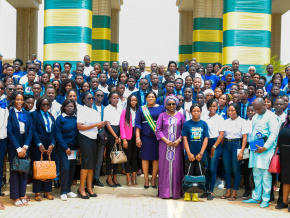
(19, 135)
(43, 143)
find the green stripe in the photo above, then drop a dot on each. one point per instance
(68, 4)
(100, 44)
(51, 62)
(100, 21)
(254, 6)
(185, 49)
(247, 38)
(114, 47)
(207, 23)
(207, 47)
(67, 34)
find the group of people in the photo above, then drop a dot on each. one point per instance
(170, 122)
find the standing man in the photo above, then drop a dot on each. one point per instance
(88, 68)
(34, 60)
(125, 66)
(142, 91)
(106, 69)
(264, 126)
(270, 70)
(142, 69)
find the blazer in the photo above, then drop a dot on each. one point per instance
(160, 92)
(40, 135)
(138, 95)
(60, 99)
(149, 80)
(125, 131)
(13, 132)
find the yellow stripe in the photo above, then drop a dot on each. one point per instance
(101, 33)
(247, 55)
(207, 57)
(114, 56)
(68, 17)
(208, 35)
(247, 21)
(66, 51)
(101, 55)
(183, 57)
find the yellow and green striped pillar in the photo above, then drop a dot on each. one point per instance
(247, 33)
(67, 31)
(114, 56)
(207, 40)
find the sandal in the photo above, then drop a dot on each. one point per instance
(2, 207)
(18, 203)
(38, 197)
(27, 198)
(24, 202)
(232, 198)
(224, 197)
(48, 196)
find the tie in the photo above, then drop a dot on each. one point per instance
(47, 122)
(144, 100)
(243, 111)
(137, 84)
(21, 117)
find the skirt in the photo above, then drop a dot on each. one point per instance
(285, 163)
(89, 151)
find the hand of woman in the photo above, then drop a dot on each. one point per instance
(176, 143)
(68, 152)
(21, 154)
(118, 141)
(138, 143)
(212, 151)
(169, 143)
(191, 157)
(42, 149)
(49, 150)
(240, 155)
(125, 143)
(101, 124)
(198, 157)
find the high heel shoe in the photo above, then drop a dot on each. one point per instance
(113, 186)
(91, 195)
(153, 186)
(83, 197)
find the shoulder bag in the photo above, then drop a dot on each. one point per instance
(274, 166)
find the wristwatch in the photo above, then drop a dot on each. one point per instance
(214, 147)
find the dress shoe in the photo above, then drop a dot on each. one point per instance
(246, 195)
(56, 184)
(98, 183)
(281, 206)
(83, 197)
(112, 186)
(251, 201)
(264, 204)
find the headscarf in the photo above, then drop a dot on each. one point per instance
(252, 67)
(208, 91)
(171, 97)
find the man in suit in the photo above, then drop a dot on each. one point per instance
(154, 70)
(142, 91)
(244, 103)
(169, 89)
(156, 85)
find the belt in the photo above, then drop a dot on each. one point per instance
(233, 140)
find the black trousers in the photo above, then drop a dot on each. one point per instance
(247, 175)
(132, 156)
(110, 145)
(195, 168)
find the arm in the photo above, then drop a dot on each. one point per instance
(122, 125)
(217, 143)
(187, 149)
(244, 143)
(204, 145)
(221, 70)
(159, 134)
(138, 140)
(117, 139)
(10, 135)
(85, 127)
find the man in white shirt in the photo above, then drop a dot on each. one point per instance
(88, 68)
(55, 106)
(131, 87)
(142, 68)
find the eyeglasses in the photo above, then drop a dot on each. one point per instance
(143, 84)
(251, 70)
(45, 105)
(99, 95)
(171, 104)
(181, 100)
(90, 99)
(132, 70)
(10, 89)
(277, 83)
(246, 76)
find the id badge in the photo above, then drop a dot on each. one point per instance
(259, 135)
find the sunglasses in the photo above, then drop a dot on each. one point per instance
(132, 70)
(2, 88)
(90, 99)
(246, 76)
(143, 84)
(171, 104)
(99, 95)
(10, 89)
(180, 99)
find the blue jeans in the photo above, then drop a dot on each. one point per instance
(211, 163)
(231, 163)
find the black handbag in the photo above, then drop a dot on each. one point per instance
(194, 184)
(103, 135)
(22, 165)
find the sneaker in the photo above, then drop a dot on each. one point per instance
(204, 195)
(210, 196)
(246, 195)
(63, 197)
(221, 184)
(217, 182)
(72, 195)
(281, 206)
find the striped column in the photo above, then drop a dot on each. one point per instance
(101, 35)
(115, 15)
(207, 31)
(185, 36)
(67, 30)
(247, 33)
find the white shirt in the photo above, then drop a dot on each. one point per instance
(2, 97)
(281, 118)
(156, 91)
(104, 89)
(128, 92)
(122, 104)
(88, 116)
(112, 115)
(143, 74)
(24, 79)
(215, 125)
(235, 129)
(21, 124)
(187, 106)
(133, 116)
(204, 112)
(55, 109)
(87, 70)
(4, 113)
(249, 125)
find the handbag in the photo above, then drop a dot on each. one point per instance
(194, 184)
(118, 157)
(22, 165)
(275, 163)
(103, 135)
(44, 170)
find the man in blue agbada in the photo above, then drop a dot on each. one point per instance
(265, 125)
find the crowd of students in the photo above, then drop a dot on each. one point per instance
(190, 116)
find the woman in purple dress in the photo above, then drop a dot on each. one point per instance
(145, 124)
(168, 132)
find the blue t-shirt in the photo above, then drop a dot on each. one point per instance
(285, 82)
(251, 100)
(214, 80)
(195, 132)
(27, 89)
(223, 112)
(228, 88)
